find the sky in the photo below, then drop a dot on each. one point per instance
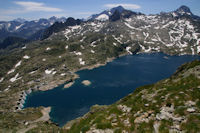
(35, 9)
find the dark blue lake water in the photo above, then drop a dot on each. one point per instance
(109, 84)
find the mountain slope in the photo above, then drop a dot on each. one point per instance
(156, 33)
(11, 41)
(59, 26)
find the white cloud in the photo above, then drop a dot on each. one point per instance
(36, 6)
(128, 6)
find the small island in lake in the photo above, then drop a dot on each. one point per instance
(86, 82)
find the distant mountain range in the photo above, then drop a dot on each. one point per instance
(25, 29)
(43, 28)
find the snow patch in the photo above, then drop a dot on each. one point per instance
(83, 39)
(24, 47)
(169, 45)
(141, 17)
(174, 14)
(102, 17)
(11, 71)
(47, 49)
(66, 32)
(54, 72)
(189, 26)
(49, 71)
(169, 23)
(143, 48)
(117, 39)
(7, 88)
(147, 50)
(192, 49)
(131, 27)
(62, 74)
(92, 44)
(18, 64)
(146, 35)
(15, 78)
(198, 46)
(17, 27)
(82, 47)
(92, 51)
(26, 57)
(33, 72)
(115, 44)
(77, 53)
(75, 27)
(1, 80)
(128, 20)
(128, 50)
(157, 27)
(81, 61)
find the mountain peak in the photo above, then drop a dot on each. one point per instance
(53, 18)
(184, 10)
(118, 8)
(113, 12)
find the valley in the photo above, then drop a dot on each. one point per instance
(74, 45)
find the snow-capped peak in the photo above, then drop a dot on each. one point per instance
(106, 14)
(183, 10)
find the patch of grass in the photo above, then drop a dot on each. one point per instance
(164, 126)
(180, 111)
(118, 130)
(192, 125)
(115, 110)
(85, 128)
(104, 125)
(145, 128)
(98, 119)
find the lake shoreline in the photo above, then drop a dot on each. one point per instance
(90, 68)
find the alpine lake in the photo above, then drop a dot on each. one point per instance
(109, 83)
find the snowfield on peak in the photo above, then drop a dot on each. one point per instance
(102, 17)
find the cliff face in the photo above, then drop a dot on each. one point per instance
(169, 105)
